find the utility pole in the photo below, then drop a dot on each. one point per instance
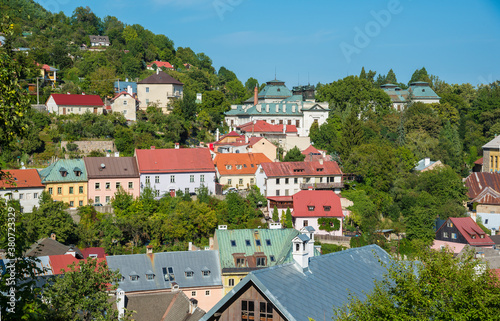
(37, 94)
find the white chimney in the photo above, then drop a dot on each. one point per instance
(120, 302)
(284, 128)
(176, 145)
(129, 90)
(321, 161)
(259, 107)
(193, 303)
(222, 227)
(274, 226)
(157, 71)
(149, 249)
(126, 79)
(217, 134)
(300, 250)
(246, 139)
(427, 161)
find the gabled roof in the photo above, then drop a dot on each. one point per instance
(323, 203)
(99, 251)
(59, 263)
(123, 93)
(229, 163)
(23, 178)
(53, 173)
(160, 64)
(160, 78)
(261, 126)
(77, 100)
(159, 263)
(479, 161)
(48, 246)
(493, 144)
(99, 38)
(275, 89)
(469, 229)
(477, 182)
(311, 149)
(280, 245)
(182, 160)
(114, 167)
(314, 293)
(487, 196)
(283, 169)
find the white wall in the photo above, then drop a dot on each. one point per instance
(182, 181)
(29, 199)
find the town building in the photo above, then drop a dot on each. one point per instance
(275, 104)
(159, 64)
(127, 86)
(66, 181)
(107, 175)
(48, 74)
(287, 178)
(170, 170)
(418, 91)
(195, 273)
(23, 185)
(310, 287)
(63, 104)
(233, 142)
(99, 41)
(491, 155)
(314, 155)
(238, 170)
(426, 164)
(125, 103)
(159, 90)
(463, 230)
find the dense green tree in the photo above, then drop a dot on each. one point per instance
(288, 218)
(390, 78)
(351, 135)
(294, 155)
(276, 215)
(420, 75)
(251, 83)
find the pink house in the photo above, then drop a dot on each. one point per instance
(106, 175)
(311, 205)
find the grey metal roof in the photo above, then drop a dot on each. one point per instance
(159, 263)
(493, 144)
(114, 167)
(421, 165)
(315, 292)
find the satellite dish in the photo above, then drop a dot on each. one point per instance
(103, 166)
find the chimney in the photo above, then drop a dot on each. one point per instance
(176, 145)
(255, 95)
(211, 243)
(217, 134)
(246, 139)
(222, 227)
(427, 161)
(174, 286)
(120, 302)
(83, 93)
(152, 147)
(193, 304)
(300, 251)
(126, 79)
(53, 236)
(149, 249)
(321, 161)
(129, 90)
(157, 71)
(284, 128)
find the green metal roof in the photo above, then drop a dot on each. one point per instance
(275, 89)
(245, 241)
(53, 173)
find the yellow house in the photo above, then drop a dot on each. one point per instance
(66, 181)
(238, 170)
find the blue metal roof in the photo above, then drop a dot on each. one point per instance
(53, 173)
(167, 267)
(124, 85)
(301, 294)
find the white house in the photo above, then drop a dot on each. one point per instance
(126, 104)
(63, 104)
(418, 91)
(24, 185)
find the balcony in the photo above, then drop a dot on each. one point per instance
(321, 185)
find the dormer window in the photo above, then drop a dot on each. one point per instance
(134, 276)
(327, 208)
(189, 274)
(473, 236)
(482, 236)
(229, 167)
(319, 169)
(238, 166)
(63, 172)
(257, 242)
(247, 242)
(310, 208)
(150, 276)
(205, 271)
(78, 171)
(261, 261)
(240, 262)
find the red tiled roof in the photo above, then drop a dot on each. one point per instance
(231, 134)
(262, 126)
(183, 160)
(60, 262)
(280, 198)
(253, 140)
(93, 250)
(248, 161)
(310, 149)
(77, 100)
(467, 227)
(282, 169)
(476, 182)
(122, 93)
(24, 178)
(160, 64)
(317, 200)
(479, 161)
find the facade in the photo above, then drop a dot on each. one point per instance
(99, 41)
(275, 104)
(426, 164)
(235, 143)
(311, 205)
(63, 104)
(170, 170)
(307, 288)
(159, 64)
(23, 185)
(66, 181)
(491, 155)
(245, 250)
(238, 170)
(418, 91)
(159, 89)
(107, 175)
(463, 230)
(195, 273)
(49, 74)
(287, 178)
(314, 155)
(126, 104)
(483, 192)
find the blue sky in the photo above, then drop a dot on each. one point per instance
(323, 40)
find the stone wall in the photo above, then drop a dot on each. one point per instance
(86, 146)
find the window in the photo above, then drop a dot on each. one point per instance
(261, 261)
(147, 101)
(240, 181)
(327, 208)
(277, 181)
(97, 186)
(238, 166)
(97, 199)
(189, 274)
(306, 223)
(186, 190)
(229, 166)
(108, 185)
(287, 192)
(310, 208)
(21, 196)
(454, 236)
(247, 242)
(229, 181)
(157, 179)
(207, 292)
(172, 178)
(147, 89)
(134, 277)
(268, 242)
(277, 192)
(71, 189)
(148, 180)
(266, 311)
(193, 293)
(233, 243)
(258, 243)
(247, 310)
(150, 277)
(449, 224)
(295, 180)
(297, 123)
(171, 273)
(35, 196)
(272, 258)
(80, 189)
(231, 282)
(108, 199)
(71, 203)
(289, 122)
(252, 181)
(125, 102)
(205, 273)
(59, 190)
(157, 193)
(130, 185)
(117, 185)
(482, 236)
(286, 180)
(191, 178)
(473, 236)
(202, 178)
(80, 203)
(240, 262)
(445, 235)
